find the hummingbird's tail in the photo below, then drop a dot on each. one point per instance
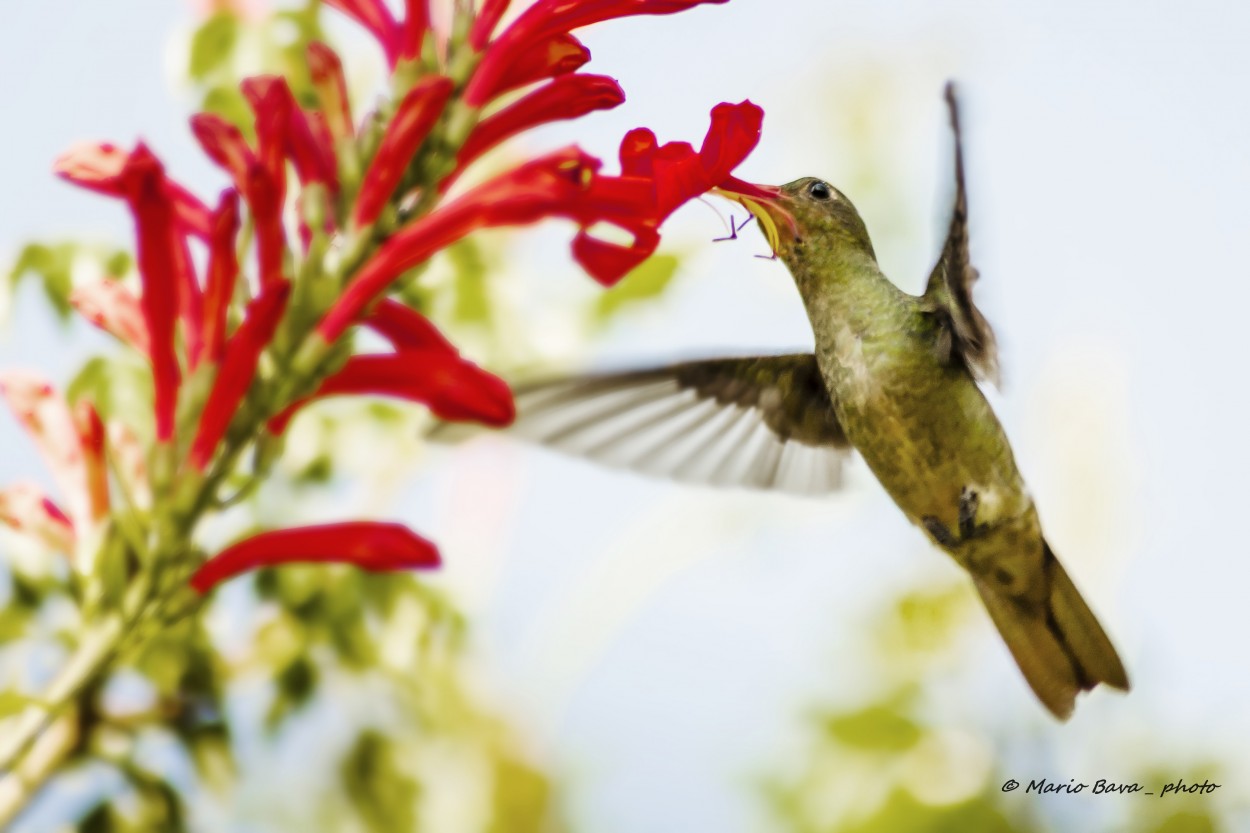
(1058, 644)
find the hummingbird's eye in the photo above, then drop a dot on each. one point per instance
(820, 191)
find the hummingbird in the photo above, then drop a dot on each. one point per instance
(894, 377)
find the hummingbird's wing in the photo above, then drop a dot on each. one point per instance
(966, 335)
(764, 422)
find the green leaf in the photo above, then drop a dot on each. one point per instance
(297, 683)
(384, 795)
(213, 44)
(878, 728)
(53, 265)
(473, 304)
(645, 283)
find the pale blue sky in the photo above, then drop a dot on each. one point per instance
(660, 641)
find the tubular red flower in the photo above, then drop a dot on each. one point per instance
(265, 201)
(548, 186)
(272, 103)
(98, 167)
(24, 508)
(454, 389)
(143, 179)
(416, 24)
(374, 16)
(223, 271)
(47, 418)
(548, 18)
(311, 149)
(486, 21)
(95, 468)
(327, 76)
(109, 305)
(224, 144)
(368, 545)
(406, 329)
(238, 367)
(567, 97)
(559, 55)
(413, 120)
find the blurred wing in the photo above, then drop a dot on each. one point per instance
(966, 336)
(764, 422)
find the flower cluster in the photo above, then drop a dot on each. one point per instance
(242, 338)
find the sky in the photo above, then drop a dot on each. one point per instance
(661, 642)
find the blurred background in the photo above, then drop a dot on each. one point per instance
(608, 653)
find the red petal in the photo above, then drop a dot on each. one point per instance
(265, 200)
(374, 16)
(733, 134)
(560, 55)
(547, 19)
(369, 545)
(413, 120)
(406, 329)
(566, 97)
(272, 103)
(451, 387)
(327, 76)
(109, 305)
(223, 271)
(224, 144)
(608, 262)
(486, 21)
(238, 367)
(143, 180)
(312, 149)
(416, 24)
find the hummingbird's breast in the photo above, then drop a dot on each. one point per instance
(922, 426)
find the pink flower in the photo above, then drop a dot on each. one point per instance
(109, 305)
(413, 120)
(368, 545)
(25, 509)
(238, 367)
(72, 444)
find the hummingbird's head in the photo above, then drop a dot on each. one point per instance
(810, 215)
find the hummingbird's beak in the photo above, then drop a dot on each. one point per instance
(765, 202)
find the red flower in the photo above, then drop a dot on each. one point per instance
(374, 16)
(223, 272)
(416, 24)
(454, 389)
(368, 545)
(406, 329)
(486, 21)
(143, 180)
(327, 77)
(238, 367)
(566, 97)
(558, 55)
(110, 306)
(413, 120)
(224, 144)
(547, 19)
(98, 167)
(95, 467)
(544, 187)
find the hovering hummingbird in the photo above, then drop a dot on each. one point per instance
(894, 377)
